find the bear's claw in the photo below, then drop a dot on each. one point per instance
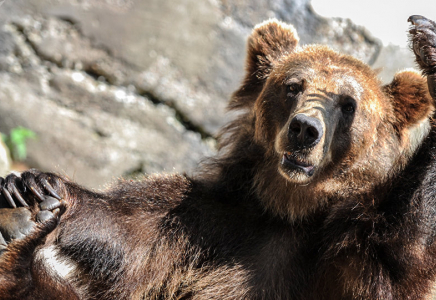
(50, 189)
(418, 20)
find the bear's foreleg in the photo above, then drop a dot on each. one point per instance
(423, 44)
(22, 230)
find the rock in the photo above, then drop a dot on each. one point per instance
(94, 143)
(5, 159)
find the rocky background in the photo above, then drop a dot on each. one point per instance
(120, 87)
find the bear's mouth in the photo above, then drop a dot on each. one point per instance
(292, 162)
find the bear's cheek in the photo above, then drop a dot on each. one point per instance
(346, 143)
(270, 119)
(365, 149)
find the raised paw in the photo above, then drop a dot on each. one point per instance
(423, 44)
(29, 188)
(25, 200)
(32, 188)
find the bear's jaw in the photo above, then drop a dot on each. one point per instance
(289, 196)
(291, 163)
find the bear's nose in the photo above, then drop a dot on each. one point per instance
(305, 131)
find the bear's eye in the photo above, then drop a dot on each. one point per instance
(293, 90)
(348, 108)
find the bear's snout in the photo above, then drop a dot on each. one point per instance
(304, 131)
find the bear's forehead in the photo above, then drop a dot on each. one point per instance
(332, 79)
(323, 68)
(326, 62)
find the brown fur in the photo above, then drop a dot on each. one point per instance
(248, 226)
(403, 90)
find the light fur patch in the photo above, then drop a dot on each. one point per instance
(416, 135)
(432, 295)
(54, 261)
(348, 80)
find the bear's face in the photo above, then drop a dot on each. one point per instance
(327, 125)
(317, 108)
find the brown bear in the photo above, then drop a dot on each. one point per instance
(322, 189)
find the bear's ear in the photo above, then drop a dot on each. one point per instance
(268, 42)
(412, 102)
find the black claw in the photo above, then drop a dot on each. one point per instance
(420, 23)
(10, 186)
(9, 198)
(29, 181)
(49, 188)
(36, 193)
(416, 19)
(49, 203)
(18, 196)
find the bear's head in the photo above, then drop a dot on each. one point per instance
(328, 128)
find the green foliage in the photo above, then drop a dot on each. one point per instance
(16, 142)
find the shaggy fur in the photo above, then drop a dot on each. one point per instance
(357, 223)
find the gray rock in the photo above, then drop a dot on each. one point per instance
(91, 143)
(5, 159)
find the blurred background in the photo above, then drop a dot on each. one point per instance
(99, 89)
